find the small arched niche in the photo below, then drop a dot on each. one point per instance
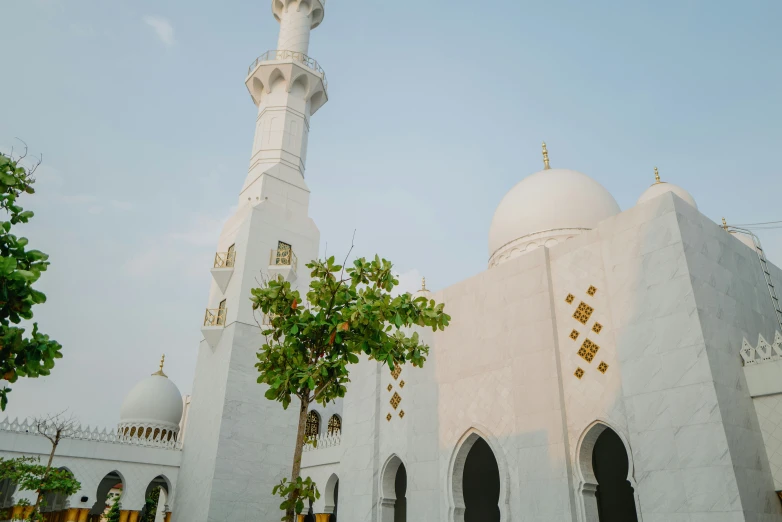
(607, 489)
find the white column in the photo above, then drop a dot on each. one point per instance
(295, 24)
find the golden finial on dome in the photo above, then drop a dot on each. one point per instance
(160, 371)
(546, 165)
(657, 176)
(423, 284)
(724, 224)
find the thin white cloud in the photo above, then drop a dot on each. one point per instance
(162, 28)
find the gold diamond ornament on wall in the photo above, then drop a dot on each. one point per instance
(402, 414)
(402, 384)
(579, 373)
(569, 298)
(395, 400)
(592, 290)
(388, 417)
(588, 350)
(390, 387)
(597, 327)
(396, 372)
(602, 367)
(583, 313)
(574, 335)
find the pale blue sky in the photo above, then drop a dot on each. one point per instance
(436, 109)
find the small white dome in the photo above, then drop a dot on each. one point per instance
(155, 401)
(545, 208)
(660, 188)
(744, 238)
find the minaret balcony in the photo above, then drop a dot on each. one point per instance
(281, 55)
(223, 268)
(283, 261)
(214, 324)
(215, 317)
(302, 77)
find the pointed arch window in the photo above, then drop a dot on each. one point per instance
(313, 424)
(221, 313)
(230, 258)
(335, 425)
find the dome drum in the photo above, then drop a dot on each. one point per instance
(153, 432)
(547, 238)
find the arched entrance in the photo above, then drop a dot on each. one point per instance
(156, 500)
(476, 483)
(109, 491)
(393, 501)
(607, 487)
(332, 497)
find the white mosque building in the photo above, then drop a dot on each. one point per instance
(607, 366)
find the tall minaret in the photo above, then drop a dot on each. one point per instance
(239, 444)
(288, 87)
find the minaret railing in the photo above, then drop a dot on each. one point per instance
(215, 317)
(281, 54)
(225, 259)
(283, 257)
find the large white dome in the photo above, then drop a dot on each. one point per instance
(155, 402)
(545, 208)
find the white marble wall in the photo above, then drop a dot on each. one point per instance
(769, 410)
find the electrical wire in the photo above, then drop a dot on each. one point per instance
(753, 224)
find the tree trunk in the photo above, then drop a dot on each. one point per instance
(290, 513)
(46, 474)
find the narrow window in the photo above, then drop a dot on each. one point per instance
(313, 424)
(283, 256)
(230, 256)
(335, 425)
(221, 313)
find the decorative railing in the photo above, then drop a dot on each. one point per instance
(225, 259)
(281, 54)
(327, 440)
(283, 257)
(763, 352)
(104, 435)
(215, 317)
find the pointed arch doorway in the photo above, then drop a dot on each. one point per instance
(393, 503)
(607, 487)
(476, 485)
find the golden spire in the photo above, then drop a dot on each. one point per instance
(724, 224)
(160, 371)
(423, 284)
(657, 176)
(546, 165)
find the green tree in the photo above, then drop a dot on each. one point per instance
(114, 511)
(30, 475)
(150, 506)
(20, 268)
(311, 344)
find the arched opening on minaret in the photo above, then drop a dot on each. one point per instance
(393, 502)
(607, 486)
